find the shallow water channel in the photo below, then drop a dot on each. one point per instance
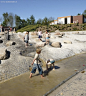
(36, 86)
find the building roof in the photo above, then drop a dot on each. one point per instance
(64, 17)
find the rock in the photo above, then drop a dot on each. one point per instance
(43, 40)
(32, 54)
(52, 37)
(3, 53)
(67, 42)
(56, 44)
(1, 41)
(57, 33)
(1, 33)
(34, 36)
(60, 36)
(42, 44)
(44, 35)
(76, 32)
(34, 33)
(37, 40)
(9, 43)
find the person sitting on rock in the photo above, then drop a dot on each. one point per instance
(50, 62)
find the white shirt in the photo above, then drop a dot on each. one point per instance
(39, 32)
(36, 59)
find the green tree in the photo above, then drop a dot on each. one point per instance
(11, 19)
(39, 21)
(6, 19)
(23, 23)
(51, 19)
(1, 19)
(84, 13)
(28, 22)
(4, 23)
(45, 21)
(32, 19)
(78, 14)
(17, 22)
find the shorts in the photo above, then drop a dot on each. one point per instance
(37, 66)
(52, 62)
(39, 36)
(47, 38)
(26, 41)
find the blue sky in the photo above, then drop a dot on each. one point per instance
(42, 8)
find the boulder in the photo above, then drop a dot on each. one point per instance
(1, 33)
(37, 40)
(76, 32)
(57, 33)
(56, 44)
(52, 37)
(44, 35)
(60, 36)
(3, 53)
(10, 43)
(67, 42)
(42, 44)
(34, 33)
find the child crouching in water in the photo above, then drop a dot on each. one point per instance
(36, 64)
(50, 62)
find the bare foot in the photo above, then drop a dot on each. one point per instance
(30, 76)
(53, 69)
(42, 76)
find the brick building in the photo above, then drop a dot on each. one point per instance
(70, 19)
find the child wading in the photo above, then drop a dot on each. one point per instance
(36, 64)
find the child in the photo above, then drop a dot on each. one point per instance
(40, 34)
(50, 62)
(47, 37)
(26, 38)
(36, 64)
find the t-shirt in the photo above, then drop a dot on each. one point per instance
(40, 33)
(47, 35)
(36, 59)
(26, 37)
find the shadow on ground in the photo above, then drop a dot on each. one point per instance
(49, 69)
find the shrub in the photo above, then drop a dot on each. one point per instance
(75, 29)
